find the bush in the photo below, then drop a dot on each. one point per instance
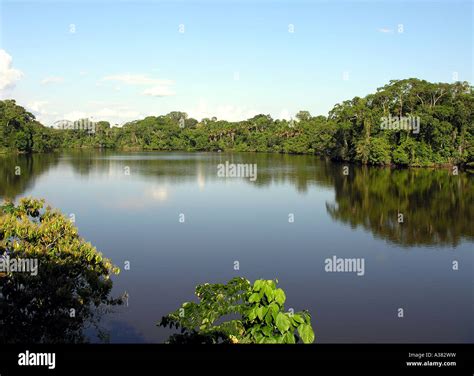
(71, 283)
(260, 307)
(379, 152)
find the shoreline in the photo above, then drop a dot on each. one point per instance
(464, 166)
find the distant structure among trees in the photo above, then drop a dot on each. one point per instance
(81, 124)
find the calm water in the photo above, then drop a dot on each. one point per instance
(135, 218)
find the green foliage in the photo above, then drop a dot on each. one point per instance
(401, 156)
(379, 151)
(71, 274)
(19, 131)
(352, 132)
(260, 307)
(29, 229)
(23, 141)
(446, 113)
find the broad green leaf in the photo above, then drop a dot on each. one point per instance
(254, 298)
(280, 296)
(280, 339)
(260, 338)
(289, 337)
(268, 319)
(269, 293)
(282, 322)
(306, 333)
(257, 285)
(255, 329)
(267, 330)
(306, 317)
(271, 283)
(261, 312)
(252, 314)
(274, 310)
(270, 340)
(298, 318)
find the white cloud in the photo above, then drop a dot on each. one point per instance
(52, 80)
(8, 75)
(385, 30)
(285, 115)
(39, 110)
(37, 106)
(104, 103)
(159, 91)
(75, 115)
(160, 88)
(222, 112)
(137, 79)
(113, 114)
(120, 112)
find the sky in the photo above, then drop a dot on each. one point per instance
(124, 60)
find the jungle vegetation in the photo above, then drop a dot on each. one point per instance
(353, 130)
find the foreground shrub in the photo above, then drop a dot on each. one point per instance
(260, 308)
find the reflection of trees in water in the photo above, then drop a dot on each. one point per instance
(301, 170)
(185, 167)
(83, 162)
(437, 208)
(37, 309)
(19, 172)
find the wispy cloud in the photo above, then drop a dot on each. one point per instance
(118, 112)
(8, 75)
(160, 88)
(159, 91)
(52, 80)
(39, 108)
(285, 114)
(137, 79)
(75, 115)
(115, 114)
(229, 112)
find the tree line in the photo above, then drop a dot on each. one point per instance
(354, 131)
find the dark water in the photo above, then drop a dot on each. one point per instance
(135, 218)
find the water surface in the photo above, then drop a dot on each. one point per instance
(129, 204)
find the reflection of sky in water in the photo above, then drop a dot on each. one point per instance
(135, 218)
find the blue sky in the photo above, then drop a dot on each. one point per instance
(124, 60)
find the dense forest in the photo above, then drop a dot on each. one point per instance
(353, 131)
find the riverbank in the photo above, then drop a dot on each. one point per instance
(467, 166)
